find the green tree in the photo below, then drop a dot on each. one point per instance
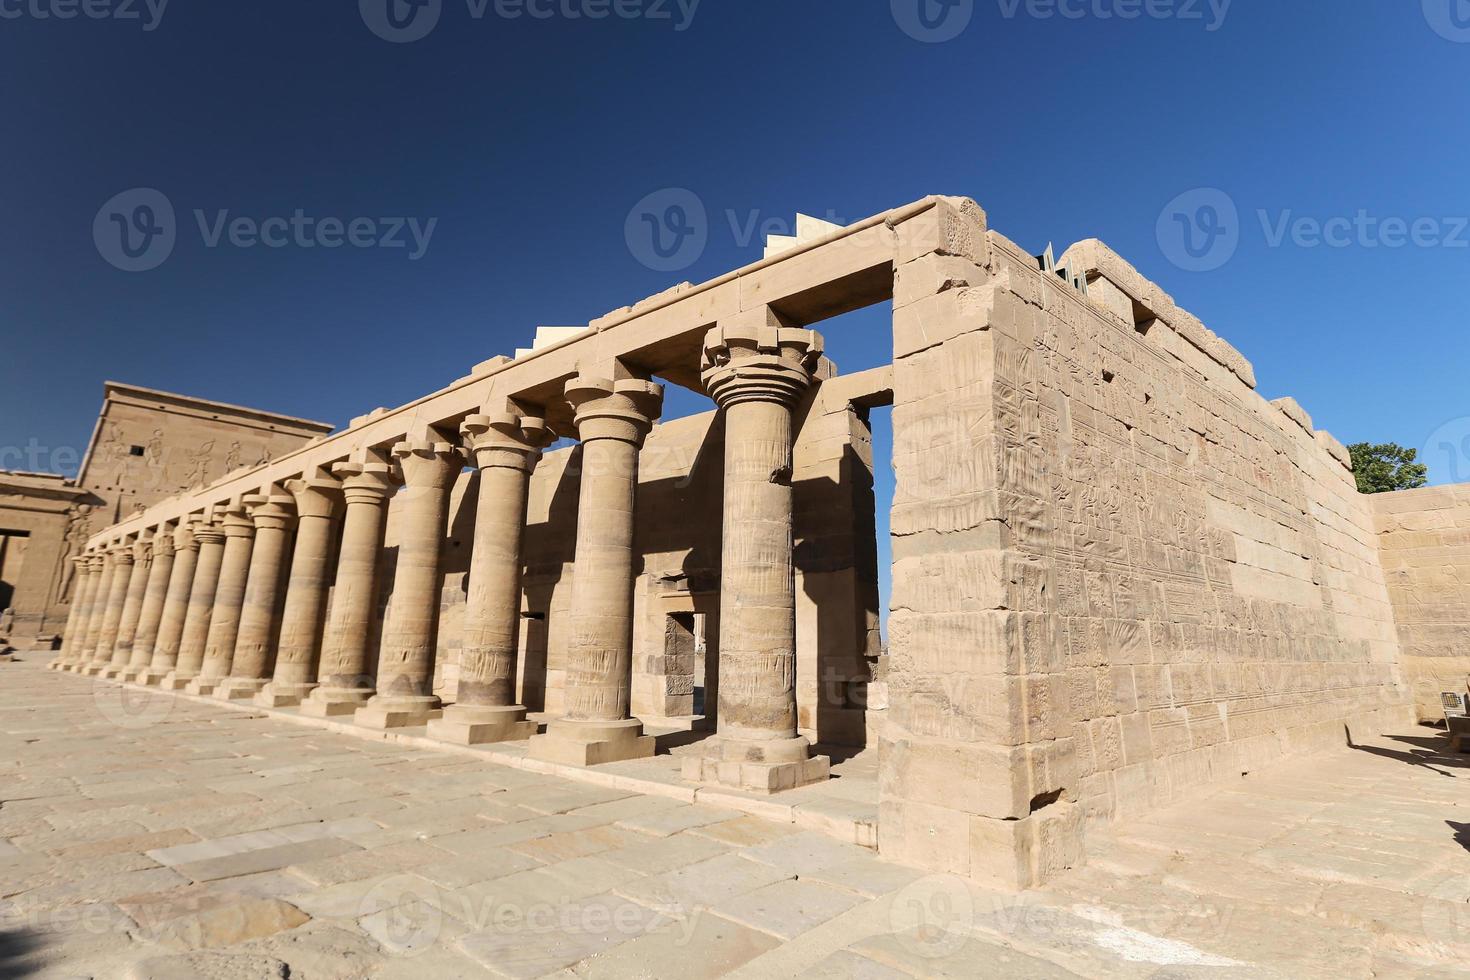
(1386, 466)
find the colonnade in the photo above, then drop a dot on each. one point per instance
(232, 602)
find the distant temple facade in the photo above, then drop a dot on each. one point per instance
(146, 446)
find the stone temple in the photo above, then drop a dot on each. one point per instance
(1119, 574)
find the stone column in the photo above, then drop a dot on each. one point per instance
(127, 625)
(151, 613)
(229, 600)
(612, 419)
(345, 674)
(211, 540)
(107, 571)
(81, 607)
(411, 631)
(117, 598)
(273, 515)
(505, 448)
(175, 606)
(82, 655)
(306, 593)
(757, 370)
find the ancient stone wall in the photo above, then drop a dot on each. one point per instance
(1424, 545)
(1118, 571)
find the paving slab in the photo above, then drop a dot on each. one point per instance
(411, 861)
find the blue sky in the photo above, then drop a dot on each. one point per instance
(528, 130)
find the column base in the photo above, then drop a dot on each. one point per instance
(111, 671)
(335, 702)
(239, 688)
(130, 675)
(383, 713)
(92, 670)
(465, 724)
(151, 677)
(203, 687)
(591, 743)
(275, 695)
(756, 766)
(174, 681)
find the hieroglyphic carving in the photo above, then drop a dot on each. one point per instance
(78, 530)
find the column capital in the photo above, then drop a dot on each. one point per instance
(122, 554)
(163, 541)
(183, 536)
(624, 410)
(209, 533)
(506, 439)
(756, 359)
(142, 548)
(368, 482)
(429, 464)
(95, 560)
(235, 522)
(270, 511)
(315, 496)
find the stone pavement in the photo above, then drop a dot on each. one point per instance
(148, 836)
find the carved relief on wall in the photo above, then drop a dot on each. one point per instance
(78, 530)
(198, 474)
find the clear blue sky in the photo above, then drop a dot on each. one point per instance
(531, 139)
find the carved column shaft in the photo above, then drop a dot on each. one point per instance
(154, 595)
(505, 448)
(345, 673)
(757, 371)
(613, 417)
(106, 572)
(411, 632)
(81, 610)
(175, 605)
(195, 634)
(127, 626)
(229, 600)
(306, 593)
(272, 515)
(117, 598)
